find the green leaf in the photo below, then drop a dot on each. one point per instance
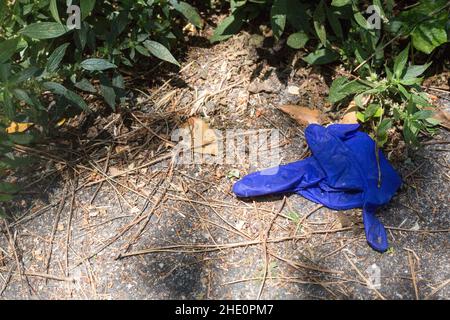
(294, 216)
(411, 81)
(8, 48)
(71, 96)
(188, 11)
(229, 26)
(25, 75)
(321, 56)
(86, 7)
(421, 99)
(56, 57)
(359, 18)
(403, 91)
(6, 187)
(278, 17)
(159, 51)
(3, 10)
(233, 173)
(4, 198)
(23, 96)
(334, 23)
(54, 11)
(385, 125)
(85, 85)
(410, 132)
(360, 117)
(21, 138)
(142, 51)
(95, 64)
(428, 35)
(422, 114)
(107, 91)
(319, 22)
(297, 40)
(371, 110)
(340, 3)
(342, 88)
(44, 30)
(16, 162)
(9, 108)
(297, 15)
(400, 62)
(336, 93)
(433, 121)
(426, 22)
(54, 87)
(415, 71)
(382, 129)
(5, 71)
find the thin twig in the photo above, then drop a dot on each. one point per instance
(69, 228)
(55, 227)
(363, 277)
(7, 280)
(413, 274)
(264, 246)
(439, 287)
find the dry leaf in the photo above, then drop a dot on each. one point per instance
(190, 29)
(121, 148)
(114, 171)
(302, 115)
(349, 116)
(293, 90)
(203, 139)
(61, 122)
(135, 210)
(18, 127)
(257, 87)
(443, 115)
(344, 221)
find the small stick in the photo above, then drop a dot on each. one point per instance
(13, 248)
(152, 162)
(45, 276)
(266, 236)
(439, 287)
(55, 226)
(363, 277)
(7, 280)
(413, 274)
(69, 226)
(105, 169)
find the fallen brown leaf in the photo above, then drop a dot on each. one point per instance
(443, 115)
(114, 171)
(349, 116)
(203, 139)
(257, 87)
(303, 115)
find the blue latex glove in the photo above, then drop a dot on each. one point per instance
(341, 174)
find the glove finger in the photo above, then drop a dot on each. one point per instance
(281, 179)
(375, 231)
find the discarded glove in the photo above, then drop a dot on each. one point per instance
(341, 174)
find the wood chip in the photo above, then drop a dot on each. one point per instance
(302, 115)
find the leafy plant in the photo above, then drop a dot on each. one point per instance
(347, 31)
(40, 54)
